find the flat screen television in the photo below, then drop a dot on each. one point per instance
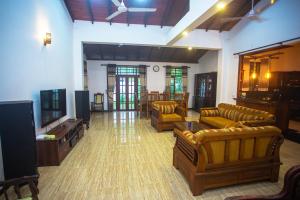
(53, 105)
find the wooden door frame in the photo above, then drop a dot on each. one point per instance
(213, 76)
(136, 77)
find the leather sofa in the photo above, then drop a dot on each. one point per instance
(165, 114)
(228, 115)
(214, 158)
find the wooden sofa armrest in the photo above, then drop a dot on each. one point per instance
(180, 111)
(186, 144)
(156, 113)
(209, 112)
(187, 136)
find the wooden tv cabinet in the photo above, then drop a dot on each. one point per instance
(51, 152)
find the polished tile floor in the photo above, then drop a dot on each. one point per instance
(123, 157)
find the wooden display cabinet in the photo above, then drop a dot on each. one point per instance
(205, 90)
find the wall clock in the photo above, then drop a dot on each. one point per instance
(155, 68)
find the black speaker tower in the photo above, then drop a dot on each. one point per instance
(18, 139)
(83, 106)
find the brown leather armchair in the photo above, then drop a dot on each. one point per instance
(165, 114)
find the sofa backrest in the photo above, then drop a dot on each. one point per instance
(235, 145)
(165, 107)
(240, 113)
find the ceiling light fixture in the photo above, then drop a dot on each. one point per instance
(185, 33)
(190, 48)
(221, 5)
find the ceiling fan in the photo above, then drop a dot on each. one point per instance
(252, 14)
(122, 8)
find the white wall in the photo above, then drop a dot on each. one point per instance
(97, 78)
(212, 62)
(26, 65)
(278, 22)
(209, 62)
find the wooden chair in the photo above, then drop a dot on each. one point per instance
(182, 99)
(142, 104)
(164, 97)
(186, 101)
(98, 104)
(290, 190)
(154, 92)
(31, 181)
(151, 97)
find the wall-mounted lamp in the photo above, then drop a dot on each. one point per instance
(268, 75)
(253, 75)
(47, 39)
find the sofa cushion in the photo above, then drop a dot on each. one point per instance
(165, 107)
(218, 122)
(171, 117)
(240, 113)
(209, 112)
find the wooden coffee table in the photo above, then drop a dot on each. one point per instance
(192, 126)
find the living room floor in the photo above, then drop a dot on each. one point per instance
(123, 157)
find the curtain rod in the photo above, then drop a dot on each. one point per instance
(126, 65)
(269, 45)
(175, 66)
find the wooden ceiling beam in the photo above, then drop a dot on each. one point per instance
(173, 53)
(202, 52)
(89, 6)
(69, 9)
(100, 52)
(162, 51)
(244, 8)
(128, 16)
(114, 52)
(147, 14)
(109, 9)
(146, 17)
(166, 12)
(150, 53)
(138, 52)
(212, 23)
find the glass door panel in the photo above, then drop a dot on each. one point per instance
(127, 89)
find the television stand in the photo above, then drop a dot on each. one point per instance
(51, 152)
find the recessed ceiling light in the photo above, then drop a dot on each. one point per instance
(190, 48)
(221, 5)
(185, 33)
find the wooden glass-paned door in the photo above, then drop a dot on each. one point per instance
(205, 90)
(126, 93)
